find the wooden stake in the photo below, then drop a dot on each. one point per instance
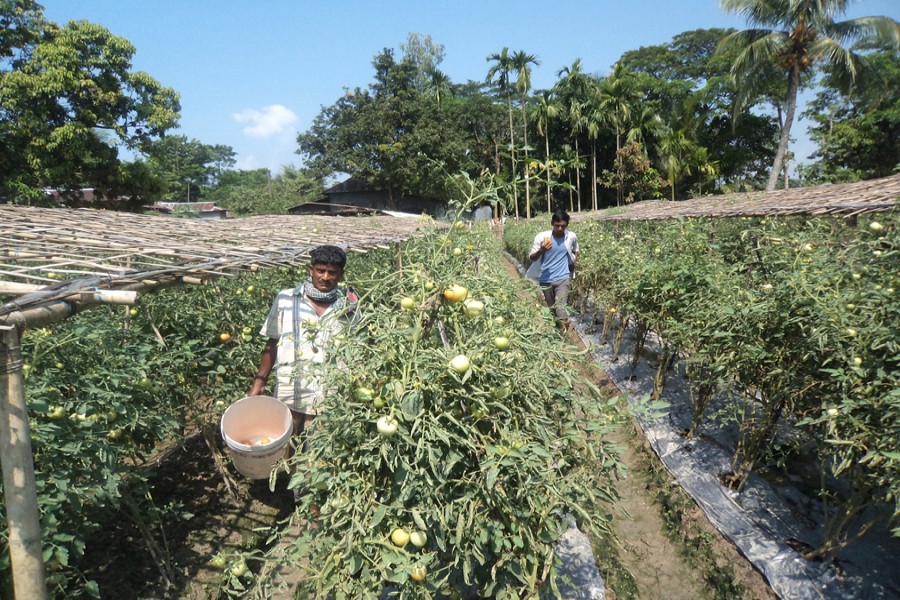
(19, 491)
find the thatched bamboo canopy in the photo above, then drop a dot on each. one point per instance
(88, 256)
(839, 199)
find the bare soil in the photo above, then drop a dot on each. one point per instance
(213, 522)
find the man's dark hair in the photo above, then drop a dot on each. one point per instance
(560, 216)
(328, 255)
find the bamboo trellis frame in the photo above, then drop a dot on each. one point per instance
(48, 255)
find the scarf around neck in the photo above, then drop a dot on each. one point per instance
(324, 297)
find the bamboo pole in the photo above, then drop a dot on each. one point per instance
(19, 491)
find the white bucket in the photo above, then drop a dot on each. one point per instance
(257, 429)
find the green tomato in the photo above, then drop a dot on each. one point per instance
(364, 394)
(407, 303)
(378, 402)
(460, 363)
(473, 308)
(56, 412)
(501, 342)
(218, 561)
(339, 502)
(239, 569)
(418, 538)
(387, 426)
(399, 537)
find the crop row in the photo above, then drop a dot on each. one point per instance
(794, 319)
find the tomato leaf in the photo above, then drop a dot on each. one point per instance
(419, 521)
(378, 516)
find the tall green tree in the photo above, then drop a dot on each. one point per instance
(188, 168)
(573, 87)
(425, 56)
(390, 134)
(688, 72)
(68, 100)
(499, 73)
(798, 35)
(256, 192)
(619, 96)
(521, 62)
(547, 109)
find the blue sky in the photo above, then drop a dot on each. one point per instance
(252, 74)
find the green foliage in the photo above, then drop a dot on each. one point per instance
(186, 168)
(246, 193)
(687, 75)
(63, 90)
(796, 316)
(859, 134)
(795, 38)
(486, 461)
(634, 175)
(105, 388)
(392, 134)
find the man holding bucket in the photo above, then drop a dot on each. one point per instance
(299, 325)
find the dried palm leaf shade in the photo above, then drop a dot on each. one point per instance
(50, 254)
(837, 199)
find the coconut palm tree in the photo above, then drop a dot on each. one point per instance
(796, 35)
(520, 63)
(500, 71)
(548, 108)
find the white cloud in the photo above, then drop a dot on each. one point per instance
(271, 121)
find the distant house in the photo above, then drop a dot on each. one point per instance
(355, 196)
(197, 210)
(90, 198)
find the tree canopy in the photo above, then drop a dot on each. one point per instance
(68, 100)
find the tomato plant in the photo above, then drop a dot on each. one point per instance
(467, 434)
(793, 316)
